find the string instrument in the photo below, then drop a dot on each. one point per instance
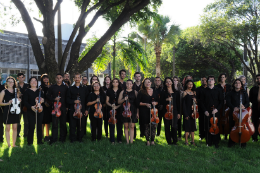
(127, 113)
(57, 105)
(112, 119)
(214, 124)
(195, 113)
(169, 113)
(15, 104)
(98, 106)
(77, 114)
(240, 133)
(224, 116)
(39, 101)
(155, 119)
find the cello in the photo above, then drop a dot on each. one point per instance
(224, 117)
(214, 130)
(57, 105)
(112, 119)
(127, 113)
(98, 106)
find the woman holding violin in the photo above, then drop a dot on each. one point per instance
(9, 119)
(146, 99)
(130, 113)
(106, 86)
(95, 102)
(112, 95)
(233, 102)
(33, 100)
(189, 97)
(170, 100)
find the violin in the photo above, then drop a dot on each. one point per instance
(127, 113)
(39, 101)
(195, 113)
(214, 124)
(57, 105)
(155, 119)
(169, 114)
(77, 114)
(98, 107)
(243, 129)
(112, 119)
(15, 104)
(224, 117)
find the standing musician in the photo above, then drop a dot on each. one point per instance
(122, 75)
(129, 123)
(222, 85)
(233, 102)
(243, 79)
(254, 97)
(46, 107)
(85, 81)
(29, 97)
(106, 86)
(189, 96)
(2, 87)
(58, 93)
(93, 79)
(179, 89)
(158, 89)
(96, 99)
(6, 97)
(112, 95)
(147, 97)
(168, 95)
(22, 87)
(199, 91)
(212, 96)
(67, 82)
(187, 77)
(137, 87)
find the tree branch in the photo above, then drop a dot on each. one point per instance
(57, 7)
(41, 6)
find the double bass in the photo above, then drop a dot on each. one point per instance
(57, 105)
(127, 113)
(15, 104)
(224, 116)
(214, 124)
(112, 119)
(98, 106)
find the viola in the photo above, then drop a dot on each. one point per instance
(155, 119)
(77, 114)
(98, 106)
(57, 105)
(112, 119)
(195, 113)
(15, 104)
(127, 113)
(214, 124)
(169, 114)
(224, 116)
(39, 101)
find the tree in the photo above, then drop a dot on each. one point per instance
(127, 10)
(158, 33)
(234, 23)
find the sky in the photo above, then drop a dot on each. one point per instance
(185, 13)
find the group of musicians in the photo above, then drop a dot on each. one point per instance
(121, 102)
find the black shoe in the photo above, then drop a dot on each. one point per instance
(71, 141)
(40, 143)
(47, 139)
(52, 142)
(216, 146)
(254, 140)
(29, 144)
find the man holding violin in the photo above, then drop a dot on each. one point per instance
(57, 93)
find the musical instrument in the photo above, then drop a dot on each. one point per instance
(169, 114)
(39, 101)
(15, 104)
(155, 119)
(112, 119)
(241, 132)
(98, 107)
(57, 105)
(214, 124)
(127, 113)
(195, 113)
(224, 116)
(77, 114)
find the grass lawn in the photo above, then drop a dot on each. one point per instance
(104, 157)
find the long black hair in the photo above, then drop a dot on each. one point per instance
(101, 91)
(45, 75)
(233, 84)
(111, 84)
(165, 87)
(30, 81)
(186, 83)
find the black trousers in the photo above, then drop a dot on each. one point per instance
(112, 132)
(1, 125)
(142, 129)
(105, 118)
(76, 125)
(210, 139)
(255, 119)
(25, 121)
(170, 132)
(201, 125)
(179, 126)
(159, 125)
(55, 126)
(96, 128)
(119, 129)
(31, 122)
(67, 120)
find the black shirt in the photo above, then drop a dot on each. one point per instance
(122, 85)
(136, 87)
(72, 94)
(199, 92)
(29, 98)
(113, 96)
(24, 88)
(228, 88)
(253, 94)
(53, 92)
(92, 97)
(105, 89)
(233, 99)
(2, 87)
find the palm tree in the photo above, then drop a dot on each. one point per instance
(158, 32)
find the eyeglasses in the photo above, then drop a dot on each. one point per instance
(10, 81)
(84, 79)
(211, 80)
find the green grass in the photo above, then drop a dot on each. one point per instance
(103, 157)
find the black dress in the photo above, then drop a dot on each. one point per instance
(47, 118)
(105, 111)
(9, 118)
(133, 109)
(189, 125)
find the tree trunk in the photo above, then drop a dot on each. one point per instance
(114, 58)
(173, 61)
(158, 58)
